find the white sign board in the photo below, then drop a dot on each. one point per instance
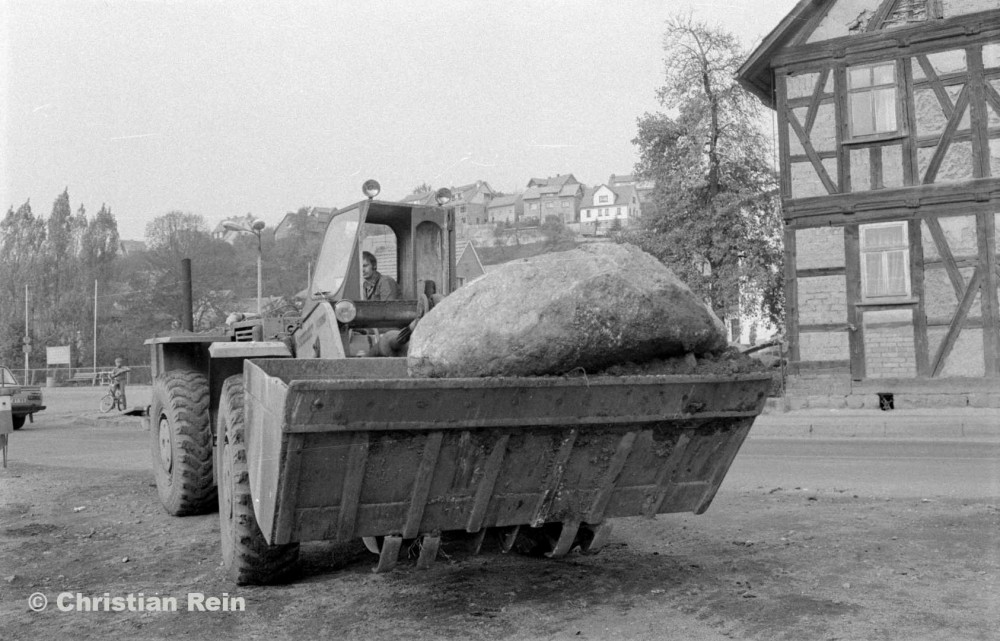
(57, 355)
(6, 418)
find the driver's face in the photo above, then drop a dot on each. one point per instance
(366, 269)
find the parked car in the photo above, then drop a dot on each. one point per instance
(25, 400)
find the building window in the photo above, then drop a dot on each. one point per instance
(872, 100)
(618, 211)
(885, 260)
(602, 199)
(534, 206)
(565, 204)
(461, 209)
(549, 204)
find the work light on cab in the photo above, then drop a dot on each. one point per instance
(371, 188)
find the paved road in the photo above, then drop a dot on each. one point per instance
(917, 453)
(898, 468)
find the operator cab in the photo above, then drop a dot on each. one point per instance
(420, 237)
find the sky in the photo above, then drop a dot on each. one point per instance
(228, 108)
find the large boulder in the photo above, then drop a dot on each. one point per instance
(587, 308)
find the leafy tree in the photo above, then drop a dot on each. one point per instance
(170, 238)
(714, 217)
(22, 236)
(100, 245)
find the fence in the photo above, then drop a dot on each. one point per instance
(66, 376)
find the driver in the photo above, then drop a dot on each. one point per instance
(377, 286)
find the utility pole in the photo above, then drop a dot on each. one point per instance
(95, 326)
(255, 229)
(27, 336)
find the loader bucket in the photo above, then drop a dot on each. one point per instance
(341, 449)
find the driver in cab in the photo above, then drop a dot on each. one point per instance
(377, 286)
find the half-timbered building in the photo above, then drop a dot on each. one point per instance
(888, 129)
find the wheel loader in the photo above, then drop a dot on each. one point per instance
(307, 427)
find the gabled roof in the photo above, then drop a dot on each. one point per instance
(463, 246)
(425, 198)
(571, 189)
(623, 196)
(471, 189)
(805, 24)
(553, 181)
(131, 246)
(461, 192)
(311, 222)
(505, 201)
(755, 74)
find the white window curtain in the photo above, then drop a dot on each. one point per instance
(885, 260)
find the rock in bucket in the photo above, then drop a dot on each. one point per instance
(588, 308)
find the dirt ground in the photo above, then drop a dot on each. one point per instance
(763, 563)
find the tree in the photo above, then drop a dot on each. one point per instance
(22, 236)
(99, 247)
(423, 188)
(170, 238)
(715, 218)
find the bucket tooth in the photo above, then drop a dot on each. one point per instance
(389, 554)
(567, 536)
(507, 538)
(429, 545)
(371, 543)
(600, 533)
(476, 541)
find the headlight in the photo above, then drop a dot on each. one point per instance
(345, 311)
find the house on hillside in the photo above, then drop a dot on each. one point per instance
(128, 247)
(219, 232)
(888, 117)
(604, 208)
(311, 222)
(643, 188)
(506, 209)
(558, 196)
(470, 203)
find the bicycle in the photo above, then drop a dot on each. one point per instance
(113, 399)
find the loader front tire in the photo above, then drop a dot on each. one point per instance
(182, 443)
(248, 558)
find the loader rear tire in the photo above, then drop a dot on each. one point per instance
(248, 558)
(182, 443)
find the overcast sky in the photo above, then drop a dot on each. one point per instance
(226, 108)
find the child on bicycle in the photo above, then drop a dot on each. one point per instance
(118, 382)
